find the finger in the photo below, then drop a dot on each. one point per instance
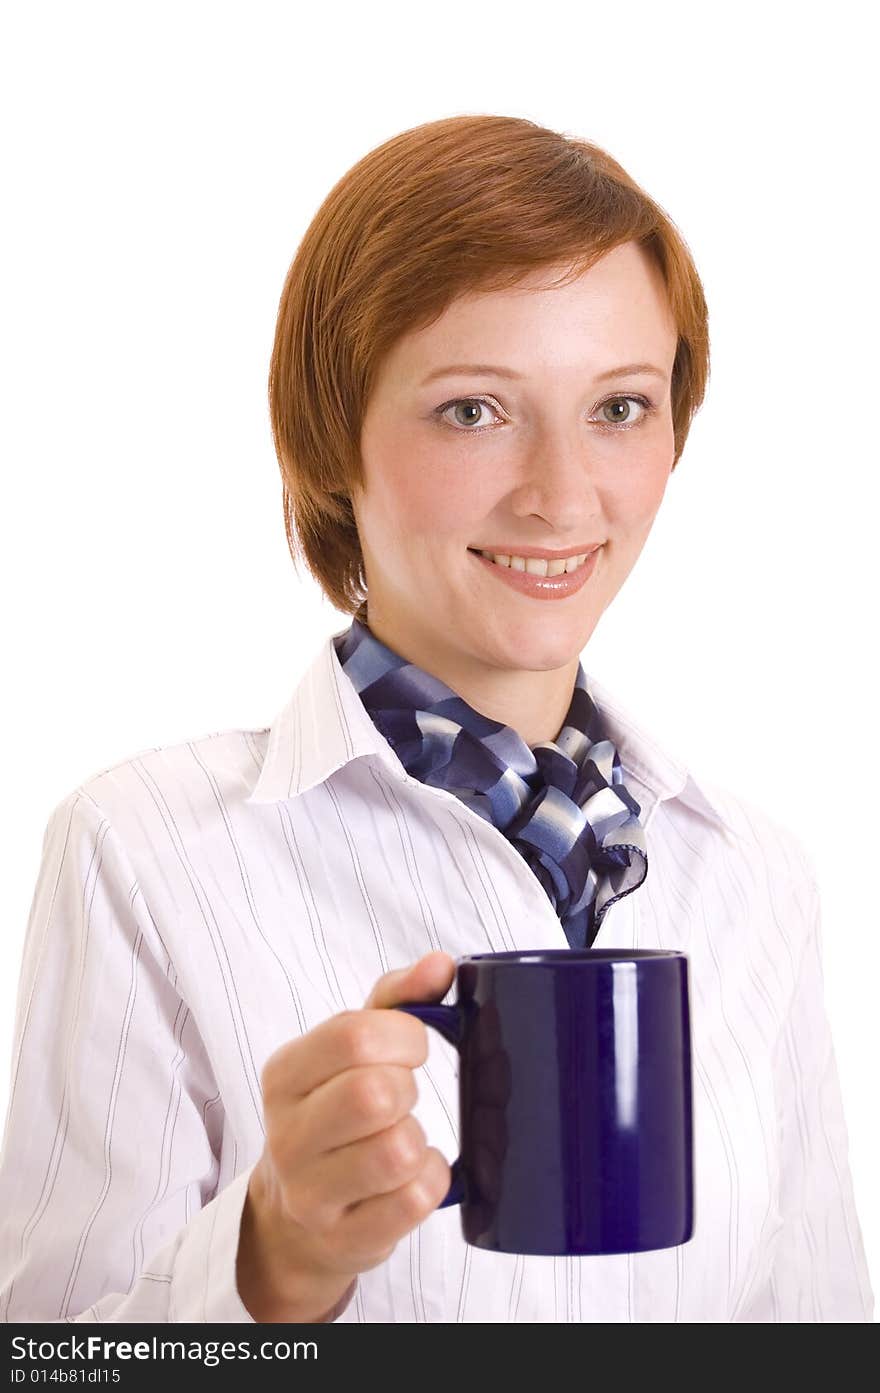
(429, 979)
(375, 1165)
(371, 1229)
(349, 1040)
(354, 1104)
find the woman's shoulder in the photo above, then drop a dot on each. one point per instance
(195, 773)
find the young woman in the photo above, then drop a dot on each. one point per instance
(489, 349)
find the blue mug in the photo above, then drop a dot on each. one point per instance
(575, 1099)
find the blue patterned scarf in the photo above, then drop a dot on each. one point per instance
(561, 803)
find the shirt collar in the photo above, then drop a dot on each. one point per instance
(663, 773)
(324, 725)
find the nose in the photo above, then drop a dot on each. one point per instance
(556, 478)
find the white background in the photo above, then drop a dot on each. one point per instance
(161, 163)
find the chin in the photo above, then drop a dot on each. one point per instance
(531, 647)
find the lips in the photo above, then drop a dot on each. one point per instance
(528, 555)
(541, 587)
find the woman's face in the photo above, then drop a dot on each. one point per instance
(555, 444)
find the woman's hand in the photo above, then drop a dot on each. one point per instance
(346, 1170)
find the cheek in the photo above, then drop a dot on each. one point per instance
(429, 497)
(636, 497)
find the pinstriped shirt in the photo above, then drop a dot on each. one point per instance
(199, 904)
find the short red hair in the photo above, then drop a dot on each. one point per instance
(464, 203)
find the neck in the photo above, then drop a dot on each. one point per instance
(534, 704)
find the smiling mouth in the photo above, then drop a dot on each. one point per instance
(533, 584)
(570, 563)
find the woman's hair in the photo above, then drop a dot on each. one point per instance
(461, 204)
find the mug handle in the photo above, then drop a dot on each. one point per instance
(448, 1021)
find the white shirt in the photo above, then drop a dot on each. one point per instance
(199, 904)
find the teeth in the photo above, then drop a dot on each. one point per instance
(536, 567)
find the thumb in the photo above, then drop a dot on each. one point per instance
(428, 979)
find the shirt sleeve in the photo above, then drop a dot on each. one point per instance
(819, 1270)
(109, 1201)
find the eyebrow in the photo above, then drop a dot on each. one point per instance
(463, 369)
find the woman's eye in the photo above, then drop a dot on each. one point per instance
(466, 412)
(617, 411)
